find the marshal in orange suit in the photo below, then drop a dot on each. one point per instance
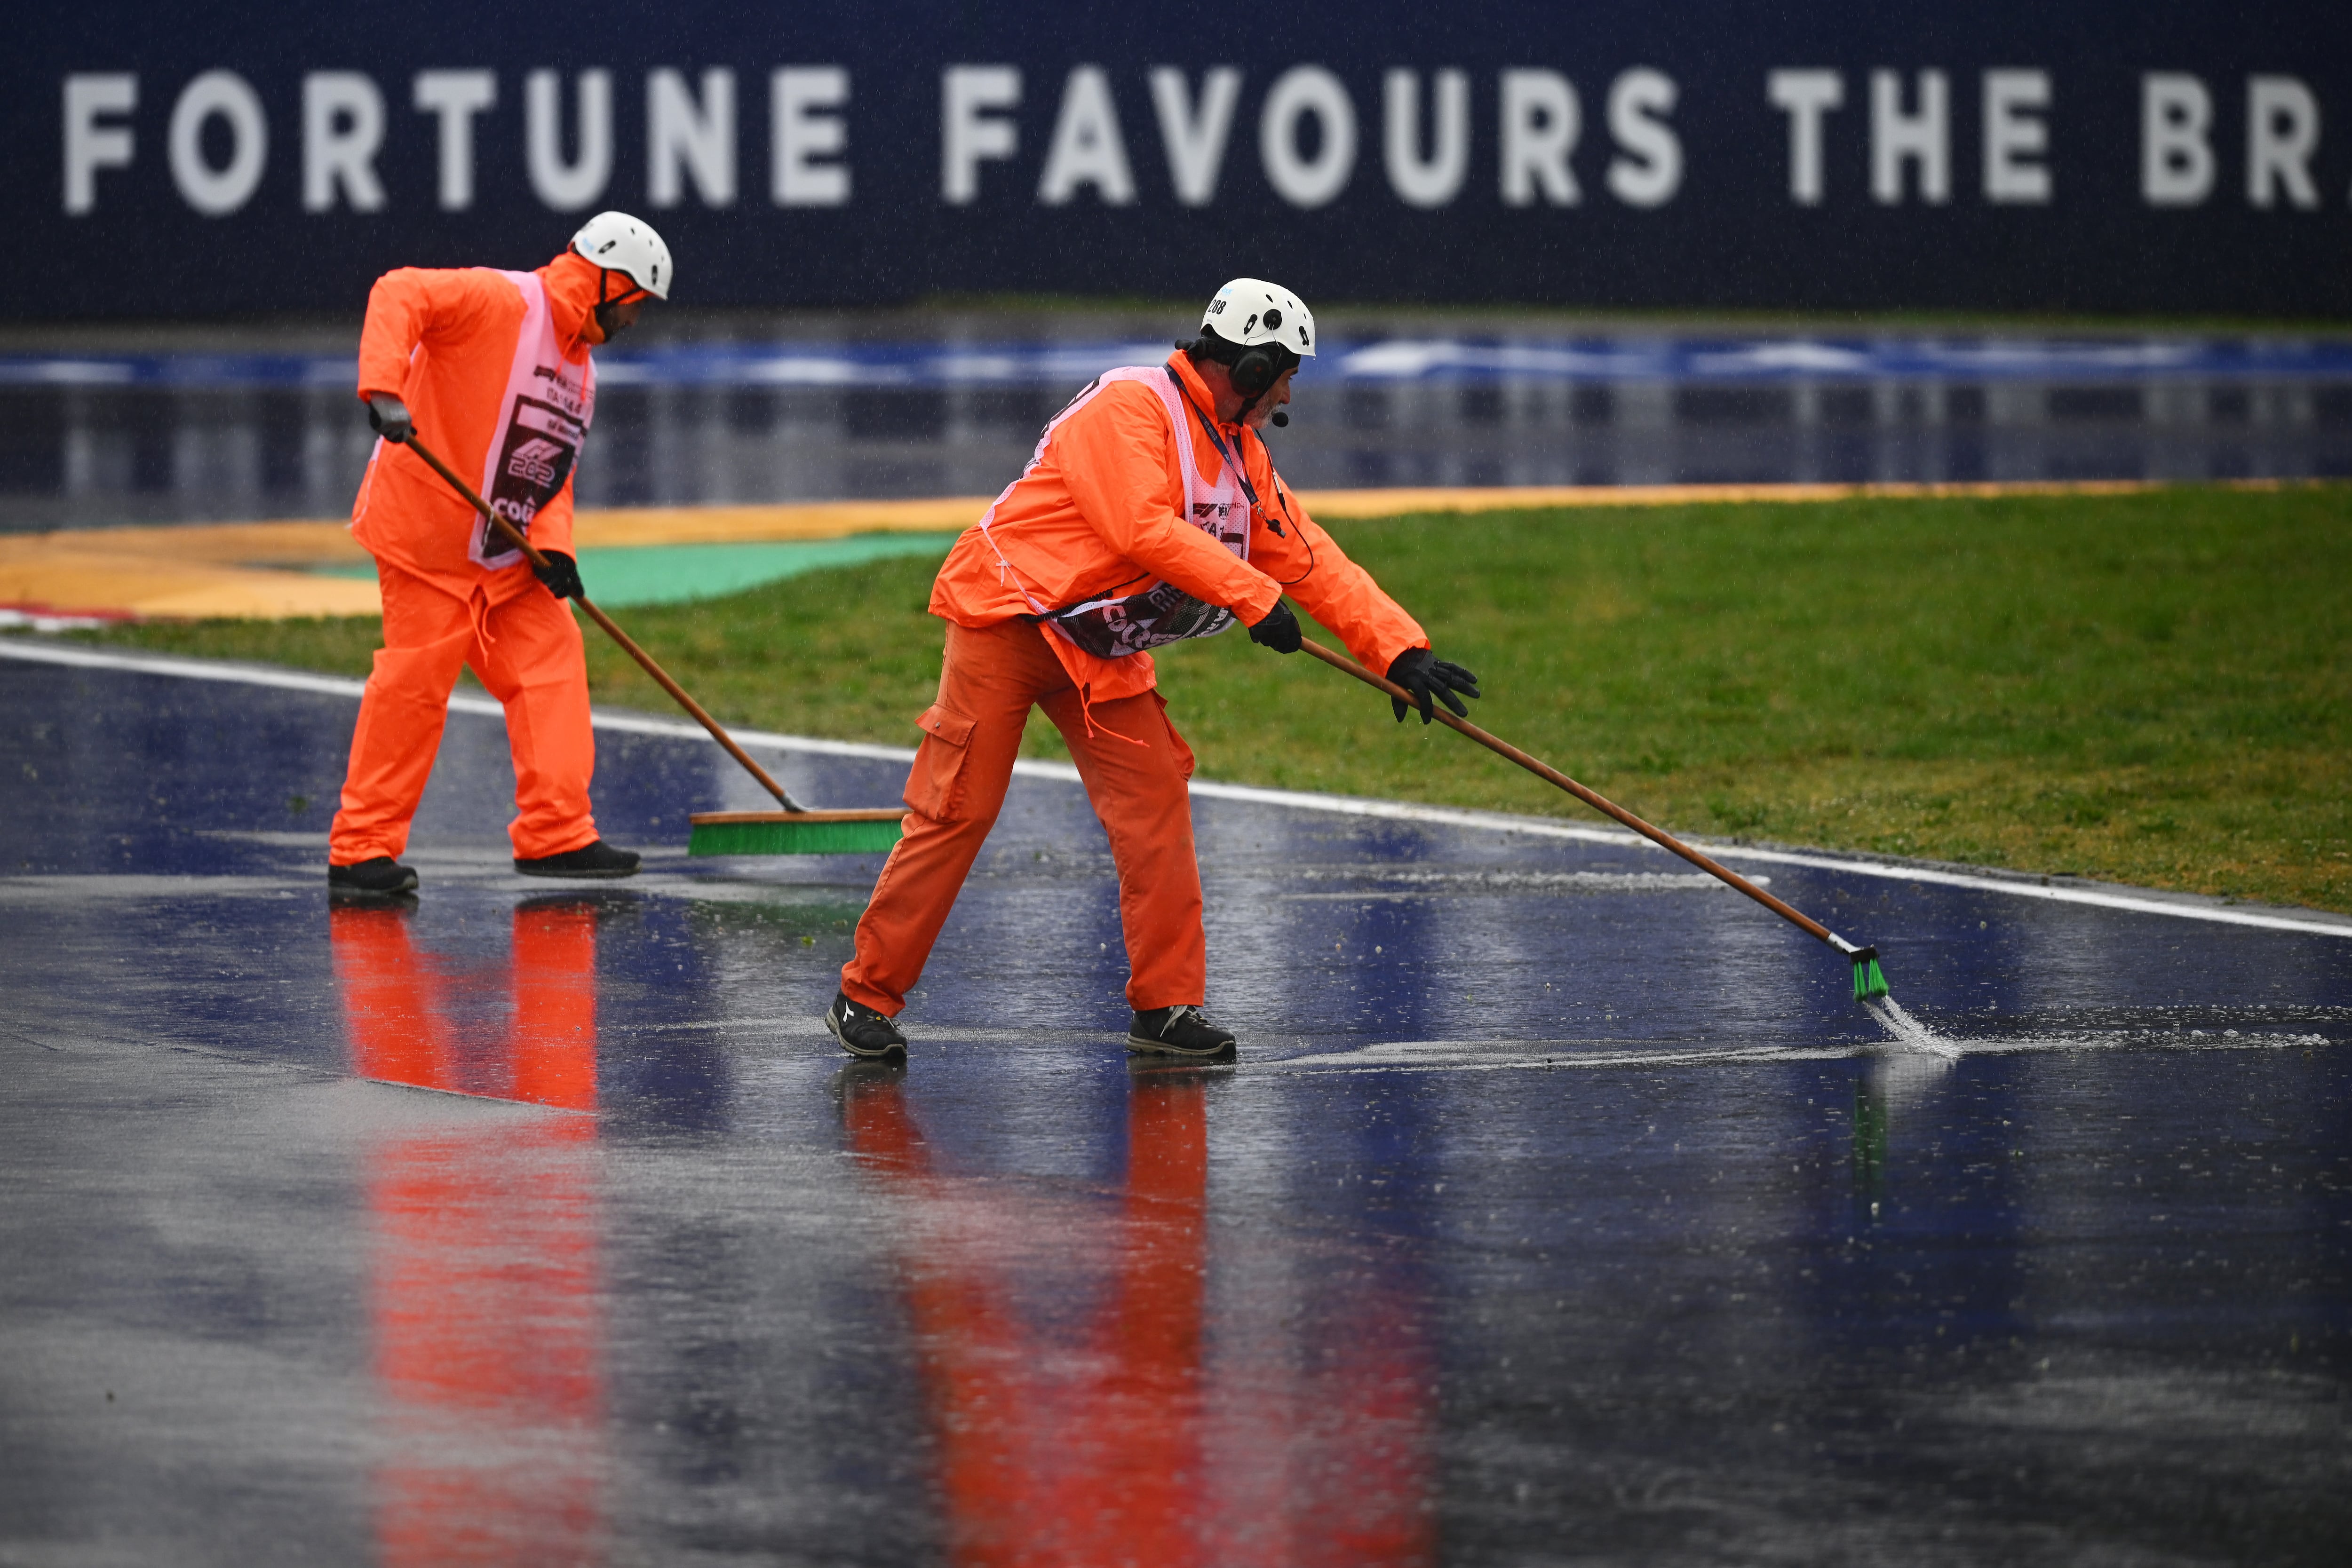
(492, 370)
(1150, 513)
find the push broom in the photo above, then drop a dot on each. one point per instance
(795, 829)
(1869, 980)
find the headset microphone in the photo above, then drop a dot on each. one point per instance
(1280, 420)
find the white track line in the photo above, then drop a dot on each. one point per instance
(185, 669)
(459, 702)
(1291, 799)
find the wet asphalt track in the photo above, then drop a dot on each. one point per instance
(1560, 1208)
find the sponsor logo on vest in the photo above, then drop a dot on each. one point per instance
(534, 462)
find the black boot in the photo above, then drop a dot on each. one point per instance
(1179, 1030)
(597, 860)
(382, 877)
(863, 1031)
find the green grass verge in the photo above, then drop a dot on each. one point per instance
(2149, 688)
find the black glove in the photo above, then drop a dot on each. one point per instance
(389, 416)
(1278, 630)
(1426, 676)
(561, 574)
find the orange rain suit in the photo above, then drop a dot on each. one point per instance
(1104, 509)
(444, 342)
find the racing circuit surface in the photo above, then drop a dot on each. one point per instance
(1560, 1206)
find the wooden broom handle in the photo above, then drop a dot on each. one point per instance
(661, 676)
(1607, 807)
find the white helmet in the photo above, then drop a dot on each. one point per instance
(1248, 311)
(619, 242)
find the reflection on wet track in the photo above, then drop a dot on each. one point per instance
(1553, 1201)
(483, 1277)
(1065, 1348)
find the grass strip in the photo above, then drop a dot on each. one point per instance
(2149, 688)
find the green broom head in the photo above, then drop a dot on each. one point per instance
(1869, 980)
(794, 833)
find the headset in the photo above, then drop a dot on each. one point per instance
(1254, 369)
(1254, 373)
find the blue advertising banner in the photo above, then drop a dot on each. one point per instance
(2102, 156)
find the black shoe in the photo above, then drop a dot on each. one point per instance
(382, 877)
(1179, 1030)
(597, 861)
(863, 1031)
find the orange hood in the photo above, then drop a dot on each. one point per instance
(572, 281)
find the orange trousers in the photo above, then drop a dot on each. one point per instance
(1135, 778)
(522, 642)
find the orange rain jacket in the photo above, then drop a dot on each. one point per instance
(441, 340)
(1100, 510)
